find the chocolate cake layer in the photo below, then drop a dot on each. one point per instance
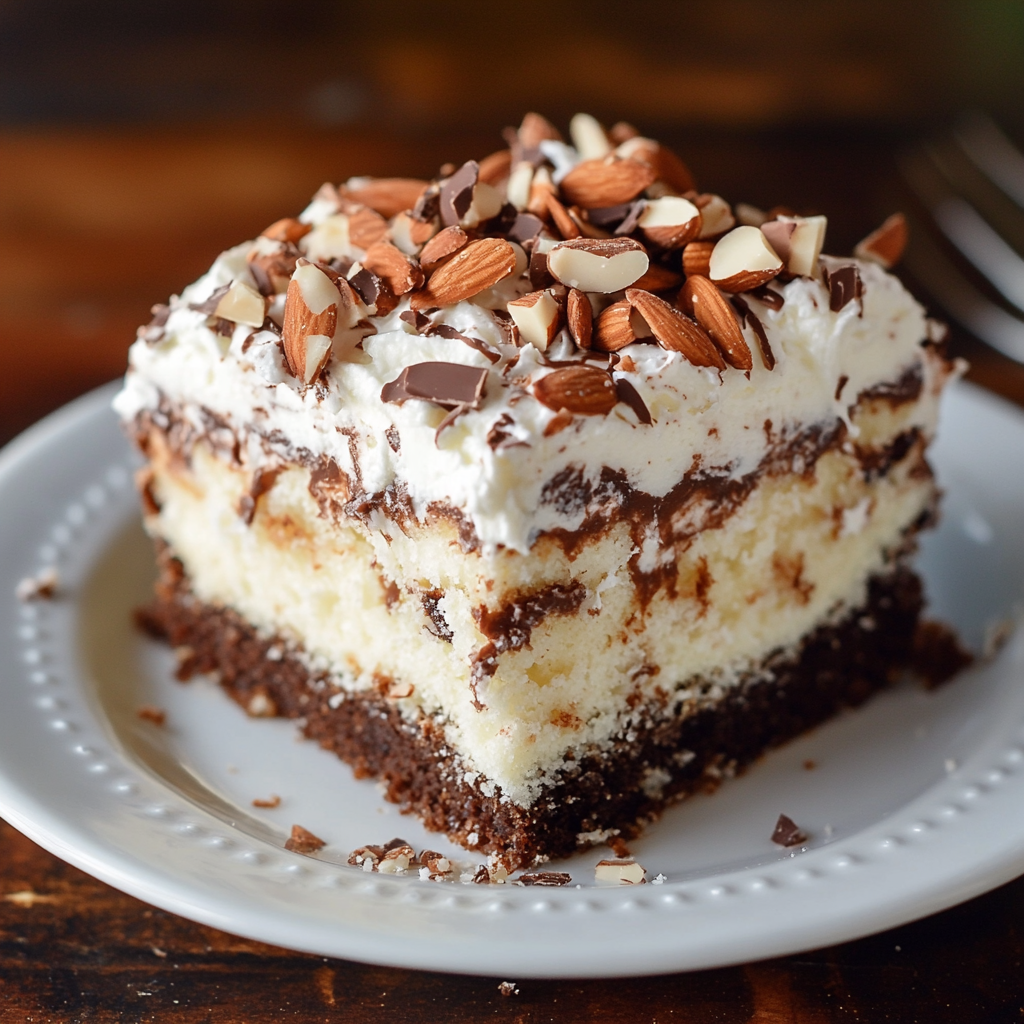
(623, 785)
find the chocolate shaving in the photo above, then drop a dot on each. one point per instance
(499, 437)
(209, 306)
(844, 285)
(262, 481)
(630, 396)
(840, 384)
(446, 384)
(748, 316)
(431, 605)
(525, 228)
(457, 193)
(394, 439)
(545, 878)
(418, 320)
(459, 410)
(506, 325)
(160, 314)
(445, 331)
(769, 296)
(788, 833)
(225, 328)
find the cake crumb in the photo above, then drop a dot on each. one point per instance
(303, 841)
(149, 713)
(788, 833)
(508, 988)
(42, 586)
(659, 879)
(618, 846)
(274, 801)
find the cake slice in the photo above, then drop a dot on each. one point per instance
(546, 492)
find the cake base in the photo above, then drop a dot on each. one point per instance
(622, 787)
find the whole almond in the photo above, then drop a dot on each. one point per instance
(598, 183)
(365, 226)
(387, 196)
(480, 265)
(697, 258)
(287, 229)
(567, 227)
(584, 390)
(713, 312)
(310, 320)
(666, 165)
(446, 243)
(614, 328)
(675, 331)
(885, 244)
(388, 262)
(579, 317)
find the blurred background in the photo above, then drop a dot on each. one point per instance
(139, 139)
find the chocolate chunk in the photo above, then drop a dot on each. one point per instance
(769, 296)
(210, 305)
(413, 316)
(630, 396)
(844, 285)
(457, 193)
(502, 222)
(262, 481)
(545, 878)
(788, 833)
(367, 285)
(427, 205)
(446, 331)
(341, 265)
(609, 217)
(446, 384)
(748, 316)
(525, 228)
(628, 226)
(303, 841)
(540, 276)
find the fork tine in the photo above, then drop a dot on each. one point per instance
(983, 141)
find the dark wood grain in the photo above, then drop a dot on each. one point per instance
(96, 227)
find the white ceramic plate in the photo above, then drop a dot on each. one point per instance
(916, 803)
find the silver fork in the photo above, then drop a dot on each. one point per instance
(969, 182)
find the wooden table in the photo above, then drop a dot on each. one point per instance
(96, 227)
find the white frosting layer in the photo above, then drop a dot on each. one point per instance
(701, 418)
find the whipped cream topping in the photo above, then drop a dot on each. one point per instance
(492, 461)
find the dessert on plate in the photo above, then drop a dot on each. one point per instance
(548, 491)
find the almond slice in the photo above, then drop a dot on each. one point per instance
(287, 229)
(567, 227)
(701, 299)
(885, 244)
(541, 188)
(598, 183)
(742, 260)
(579, 316)
(675, 331)
(480, 265)
(798, 241)
(242, 304)
(445, 244)
(716, 215)
(387, 262)
(310, 320)
(589, 137)
(496, 167)
(583, 390)
(387, 196)
(697, 258)
(618, 325)
(329, 240)
(670, 222)
(537, 316)
(598, 264)
(517, 189)
(534, 129)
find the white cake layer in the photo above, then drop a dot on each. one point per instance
(797, 553)
(824, 361)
